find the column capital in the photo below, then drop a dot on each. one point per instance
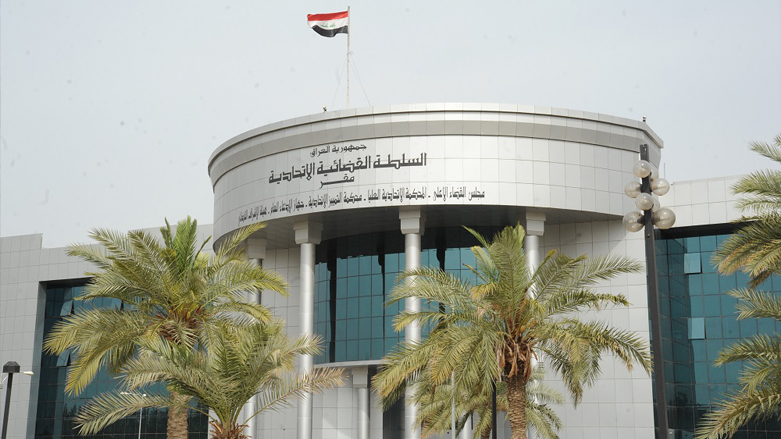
(308, 232)
(534, 223)
(256, 248)
(360, 377)
(413, 220)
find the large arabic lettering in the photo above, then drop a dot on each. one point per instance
(308, 170)
(383, 196)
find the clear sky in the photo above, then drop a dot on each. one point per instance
(109, 110)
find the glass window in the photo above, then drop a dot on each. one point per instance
(691, 263)
(727, 283)
(377, 348)
(67, 308)
(352, 352)
(692, 244)
(748, 327)
(378, 287)
(714, 347)
(707, 265)
(710, 284)
(365, 263)
(64, 359)
(730, 327)
(391, 263)
(696, 328)
(707, 243)
(353, 327)
(365, 352)
(378, 306)
(353, 286)
(713, 327)
(698, 349)
(712, 306)
(365, 306)
(716, 374)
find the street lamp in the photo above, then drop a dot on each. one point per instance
(10, 368)
(140, 412)
(650, 215)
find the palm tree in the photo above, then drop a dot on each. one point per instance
(755, 249)
(759, 396)
(238, 363)
(495, 328)
(435, 404)
(172, 290)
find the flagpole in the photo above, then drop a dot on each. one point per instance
(349, 31)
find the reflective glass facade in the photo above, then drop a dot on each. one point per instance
(353, 279)
(699, 319)
(57, 410)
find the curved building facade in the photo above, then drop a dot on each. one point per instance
(352, 198)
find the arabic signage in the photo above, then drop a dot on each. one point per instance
(325, 167)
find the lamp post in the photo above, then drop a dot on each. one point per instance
(140, 412)
(453, 405)
(493, 411)
(10, 368)
(663, 218)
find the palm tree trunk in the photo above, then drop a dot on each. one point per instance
(177, 417)
(516, 406)
(486, 434)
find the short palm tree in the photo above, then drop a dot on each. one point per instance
(436, 404)
(494, 328)
(238, 363)
(755, 249)
(759, 396)
(170, 289)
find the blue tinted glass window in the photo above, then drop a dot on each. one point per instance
(707, 243)
(692, 263)
(705, 295)
(696, 328)
(713, 327)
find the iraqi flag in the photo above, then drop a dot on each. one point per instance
(328, 25)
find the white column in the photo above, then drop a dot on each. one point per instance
(535, 227)
(307, 236)
(412, 226)
(534, 223)
(361, 383)
(466, 432)
(256, 252)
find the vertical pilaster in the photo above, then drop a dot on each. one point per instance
(308, 235)
(534, 223)
(256, 253)
(361, 383)
(466, 432)
(412, 226)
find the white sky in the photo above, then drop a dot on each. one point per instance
(109, 110)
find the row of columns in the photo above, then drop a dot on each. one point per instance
(308, 235)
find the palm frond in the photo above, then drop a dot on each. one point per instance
(104, 410)
(737, 410)
(756, 304)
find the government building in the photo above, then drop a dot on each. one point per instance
(352, 198)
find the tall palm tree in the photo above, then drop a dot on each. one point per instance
(170, 289)
(755, 249)
(436, 407)
(238, 363)
(495, 328)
